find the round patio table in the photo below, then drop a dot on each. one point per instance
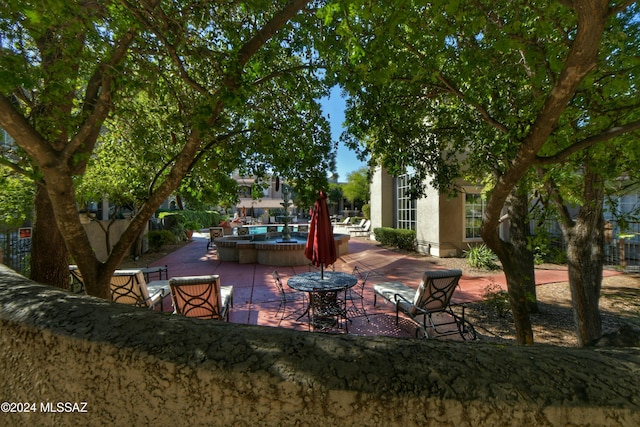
(331, 281)
(323, 289)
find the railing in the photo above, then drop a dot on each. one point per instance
(16, 250)
(622, 248)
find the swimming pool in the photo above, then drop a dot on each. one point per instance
(262, 229)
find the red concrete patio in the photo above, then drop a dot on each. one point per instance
(256, 298)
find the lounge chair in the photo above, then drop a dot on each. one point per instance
(357, 226)
(130, 287)
(343, 223)
(361, 231)
(201, 297)
(430, 305)
(214, 233)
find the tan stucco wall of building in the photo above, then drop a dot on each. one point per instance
(95, 230)
(451, 230)
(381, 203)
(439, 218)
(131, 366)
(428, 222)
(439, 224)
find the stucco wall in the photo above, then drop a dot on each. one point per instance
(137, 367)
(428, 222)
(96, 234)
(382, 199)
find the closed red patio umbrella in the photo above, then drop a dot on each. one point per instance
(321, 247)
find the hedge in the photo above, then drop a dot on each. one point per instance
(400, 238)
(204, 218)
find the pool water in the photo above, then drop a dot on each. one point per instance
(262, 229)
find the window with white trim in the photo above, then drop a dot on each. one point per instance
(406, 206)
(474, 206)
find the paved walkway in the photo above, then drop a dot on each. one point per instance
(256, 298)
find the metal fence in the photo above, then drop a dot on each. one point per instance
(16, 249)
(622, 248)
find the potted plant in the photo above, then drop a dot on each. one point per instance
(190, 227)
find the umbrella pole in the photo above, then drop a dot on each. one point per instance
(321, 271)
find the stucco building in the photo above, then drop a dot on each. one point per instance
(445, 226)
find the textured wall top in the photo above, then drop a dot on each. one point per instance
(384, 368)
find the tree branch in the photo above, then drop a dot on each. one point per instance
(21, 130)
(454, 90)
(97, 100)
(587, 142)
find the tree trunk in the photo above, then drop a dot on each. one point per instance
(585, 240)
(49, 256)
(515, 269)
(584, 256)
(518, 207)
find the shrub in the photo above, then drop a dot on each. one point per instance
(399, 238)
(366, 211)
(481, 257)
(159, 238)
(205, 218)
(496, 299)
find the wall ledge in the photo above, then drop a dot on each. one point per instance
(134, 366)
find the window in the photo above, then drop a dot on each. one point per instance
(244, 191)
(473, 210)
(406, 207)
(629, 204)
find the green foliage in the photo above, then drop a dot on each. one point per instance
(16, 199)
(396, 237)
(334, 195)
(545, 251)
(496, 299)
(366, 210)
(481, 257)
(160, 238)
(136, 107)
(202, 218)
(357, 186)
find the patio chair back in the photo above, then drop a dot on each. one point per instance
(76, 283)
(328, 310)
(356, 294)
(435, 290)
(199, 296)
(214, 233)
(278, 282)
(129, 287)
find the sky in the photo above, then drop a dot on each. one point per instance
(346, 160)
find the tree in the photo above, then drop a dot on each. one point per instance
(357, 185)
(67, 66)
(335, 195)
(501, 85)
